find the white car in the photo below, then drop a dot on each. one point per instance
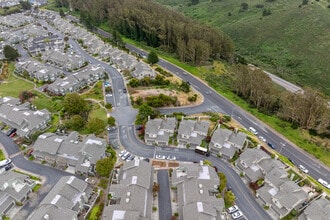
(122, 153)
(237, 214)
(160, 157)
(324, 183)
(302, 168)
(232, 209)
(262, 138)
(171, 157)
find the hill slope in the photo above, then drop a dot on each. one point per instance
(292, 42)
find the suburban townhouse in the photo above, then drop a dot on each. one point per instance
(37, 70)
(197, 187)
(142, 70)
(62, 86)
(158, 131)
(65, 61)
(225, 142)
(16, 20)
(255, 163)
(317, 210)
(14, 189)
(76, 81)
(21, 116)
(280, 194)
(66, 200)
(79, 155)
(132, 197)
(42, 43)
(192, 132)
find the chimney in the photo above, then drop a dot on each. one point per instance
(182, 118)
(148, 117)
(165, 117)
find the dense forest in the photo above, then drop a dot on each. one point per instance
(158, 26)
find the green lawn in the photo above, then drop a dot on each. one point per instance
(279, 42)
(98, 112)
(13, 86)
(2, 156)
(95, 214)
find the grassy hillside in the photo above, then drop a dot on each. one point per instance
(292, 42)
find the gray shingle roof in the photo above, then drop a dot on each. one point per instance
(317, 210)
(52, 212)
(252, 156)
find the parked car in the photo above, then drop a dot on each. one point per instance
(291, 160)
(171, 157)
(125, 155)
(271, 145)
(232, 209)
(160, 157)
(324, 183)
(253, 130)
(10, 131)
(237, 214)
(124, 90)
(262, 139)
(29, 152)
(122, 153)
(130, 158)
(12, 134)
(302, 168)
(8, 167)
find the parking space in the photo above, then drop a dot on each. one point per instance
(113, 137)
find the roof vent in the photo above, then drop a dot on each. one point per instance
(200, 185)
(128, 194)
(201, 191)
(127, 200)
(46, 216)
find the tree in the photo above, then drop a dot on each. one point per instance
(26, 5)
(145, 111)
(244, 6)
(111, 121)
(10, 52)
(73, 104)
(229, 198)
(184, 86)
(134, 82)
(104, 166)
(25, 95)
(95, 125)
(153, 58)
(61, 12)
(76, 122)
(223, 181)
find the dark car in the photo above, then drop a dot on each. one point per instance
(271, 145)
(10, 131)
(8, 167)
(291, 160)
(124, 90)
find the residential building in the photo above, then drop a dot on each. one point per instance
(225, 142)
(132, 197)
(317, 210)
(280, 194)
(197, 186)
(70, 151)
(158, 131)
(65, 200)
(22, 116)
(14, 188)
(192, 132)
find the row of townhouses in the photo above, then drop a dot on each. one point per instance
(70, 151)
(22, 116)
(192, 132)
(67, 200)
(14, 189)
(132, 197)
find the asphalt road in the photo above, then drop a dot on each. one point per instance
(164, 198)
(215, 102)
